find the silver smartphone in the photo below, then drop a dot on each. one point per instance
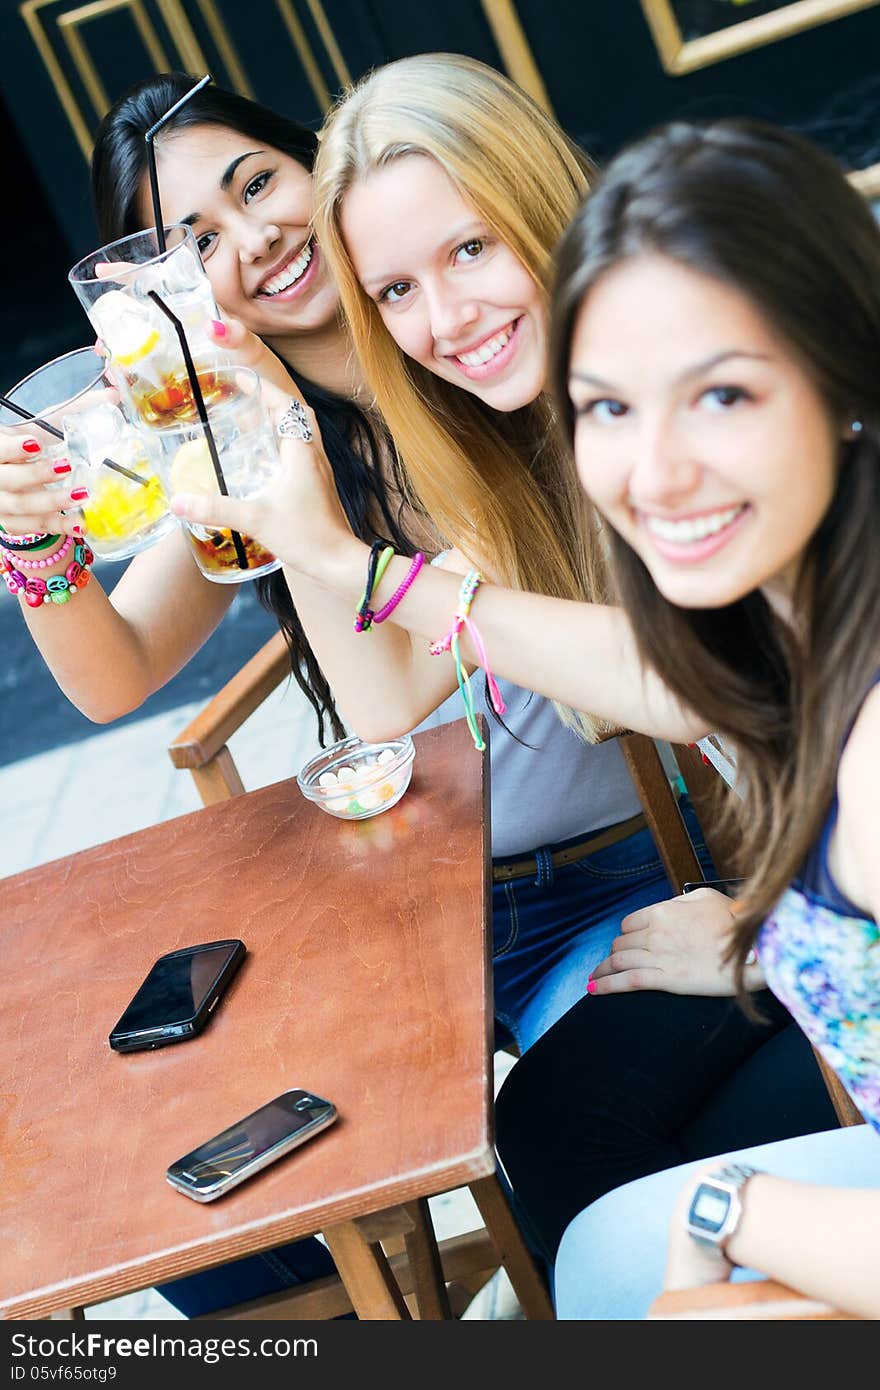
(244, 1148)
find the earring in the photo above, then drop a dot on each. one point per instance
(856, 426)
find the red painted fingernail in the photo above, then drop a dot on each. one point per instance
(79, 494)
(32, 446)
(591, 986)
(62, 466)
(219, 329)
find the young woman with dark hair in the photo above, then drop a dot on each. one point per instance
(724, 408)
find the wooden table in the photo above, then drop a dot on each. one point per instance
(367, 981)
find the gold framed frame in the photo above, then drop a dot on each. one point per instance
(679, 56)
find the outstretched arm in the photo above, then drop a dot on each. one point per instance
(107, 653)
(580, 654)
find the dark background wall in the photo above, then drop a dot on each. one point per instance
(594, 61)
(62, 62)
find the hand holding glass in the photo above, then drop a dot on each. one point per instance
(249, 459)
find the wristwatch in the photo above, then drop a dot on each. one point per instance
(716, 1206)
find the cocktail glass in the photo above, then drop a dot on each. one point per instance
(51, 391)
(145, 357)
(248, 452)
(127, 509)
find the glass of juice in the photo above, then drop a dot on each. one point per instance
(126, 510)
(247, 451)
(145, 357)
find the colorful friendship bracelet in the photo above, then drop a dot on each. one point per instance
(469, 586)
(36, 540)
(364, 616)
(375, 550)
(461, 618)
(387, 608)
(59, 588)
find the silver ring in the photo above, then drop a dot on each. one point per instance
(294, 423)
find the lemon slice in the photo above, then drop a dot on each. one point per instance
(192, 470)
(124, 327)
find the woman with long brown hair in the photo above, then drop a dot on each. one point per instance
(724, 404)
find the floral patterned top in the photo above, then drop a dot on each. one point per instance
(821, 956)
(824, 964)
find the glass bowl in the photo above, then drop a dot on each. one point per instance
(354, 780)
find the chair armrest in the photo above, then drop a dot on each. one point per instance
(763, 1298)
(203, 738)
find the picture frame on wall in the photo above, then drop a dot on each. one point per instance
(692, 34)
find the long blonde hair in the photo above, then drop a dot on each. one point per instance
(497, 485)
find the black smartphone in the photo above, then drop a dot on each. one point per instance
(178, 996)
(728, 886)
(250, 1144)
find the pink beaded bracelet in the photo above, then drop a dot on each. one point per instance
(58, 588)
(27, 563)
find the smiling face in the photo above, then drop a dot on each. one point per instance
(451, 294)
(250, 207)
(698, 433)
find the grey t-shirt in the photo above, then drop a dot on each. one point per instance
(557, 789)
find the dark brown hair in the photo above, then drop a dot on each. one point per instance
(766, 212)
(355, 443)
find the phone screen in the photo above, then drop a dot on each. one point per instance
(249, 1139)
(178, 987)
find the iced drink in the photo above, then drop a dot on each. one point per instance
(249, 460)
(123, 514)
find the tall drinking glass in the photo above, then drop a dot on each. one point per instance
(144, 350)
(248, 453)
(50, 392)
(126, 510)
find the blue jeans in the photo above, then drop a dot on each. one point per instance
(611, 1260)
(253, 1277)
(546, 940)
(547, 936)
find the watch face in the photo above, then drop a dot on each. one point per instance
(709, 1207)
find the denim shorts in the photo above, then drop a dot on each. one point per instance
(547, 937)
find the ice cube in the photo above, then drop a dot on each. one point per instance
(128, 330)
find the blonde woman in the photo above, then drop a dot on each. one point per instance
(441, 190)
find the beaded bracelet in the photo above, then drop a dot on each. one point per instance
(36, 540)
(59, 588)
(469, 586)
(461, 618)
(387, 608)
(47, 560)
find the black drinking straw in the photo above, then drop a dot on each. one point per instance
(50, 429)
(240, 553)
(151, 157)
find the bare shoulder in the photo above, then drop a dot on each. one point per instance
(859, 775)
(858, 789)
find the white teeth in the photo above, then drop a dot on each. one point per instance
(487, 350)
(290, 274)
(695, 529)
